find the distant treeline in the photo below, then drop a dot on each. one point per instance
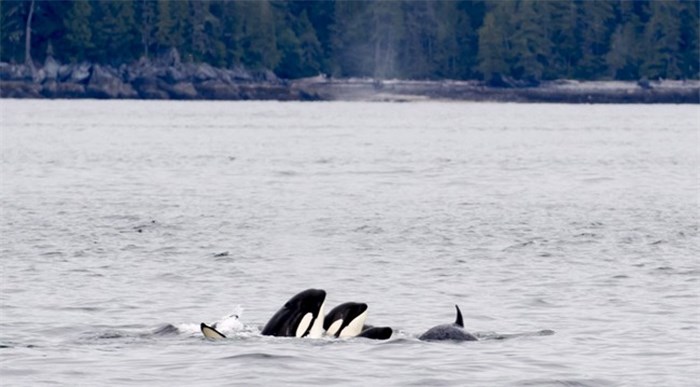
(522, 39)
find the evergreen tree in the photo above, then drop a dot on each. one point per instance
(297, 43)
(663, 40)
(594, 27)
(466, 41)
(231, 33)
(180, 18)
(321, 17)
(79, 30)
(418, 38)
(204, 32)
(689, 47)
(215, 30)
(256, 35)
(28, 35)
(530, 47)
(386, 27)
(147, 13)
(351, 46)
(523, 39)
(623, 59)
(116, 41)
(445, 51)
(291, 63)
(494, 41)
(12, 28)
(311, 50)
(164, 25)
(559, 22)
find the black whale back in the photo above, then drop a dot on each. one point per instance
(454, 332)
(377, 333)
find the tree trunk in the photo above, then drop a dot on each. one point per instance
(146, 28)
(28, 37)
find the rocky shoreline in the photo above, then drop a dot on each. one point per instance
(168, 78)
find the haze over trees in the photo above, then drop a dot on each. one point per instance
(522, 39)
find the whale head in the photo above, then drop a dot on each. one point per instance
(299, 317)
(346, 320)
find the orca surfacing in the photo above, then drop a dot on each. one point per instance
(346, 320)
(454, 332)
(301, 316)
(211, 332)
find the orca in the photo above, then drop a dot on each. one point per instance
(166, 330)
(301, 316)
(454, 332)
(216, 330)
(346, 320)
(211, 332)
(376, 333)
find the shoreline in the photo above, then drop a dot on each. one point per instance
(560, 91)
(169, 79)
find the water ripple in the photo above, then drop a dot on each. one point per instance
(118, 216)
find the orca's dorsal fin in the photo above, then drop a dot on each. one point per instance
(210, 332)
(459, 320)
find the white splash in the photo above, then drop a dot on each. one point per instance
(227, 325)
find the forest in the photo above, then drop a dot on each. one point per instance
(521, 39)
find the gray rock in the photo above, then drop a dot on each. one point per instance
(150, 90)
(218, 90)
(19, 89)
(182, 90)
(105, 82)
(266, 76)
(266, 92)
(48, 89)
(174, 75)
(171, 57)
(51, 68)
(204, 72)
(38, 76)
(239, 74)
(127, 91)
(4, 71)
(304, 95)
(64, 72)
(102, 83)
(142, 72)
(223, 76)
(15, 72)
(146, 71)
(53, 89)
(644, 84)
(70, 90)
(80, 73)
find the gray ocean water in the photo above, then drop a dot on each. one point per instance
(123, 218)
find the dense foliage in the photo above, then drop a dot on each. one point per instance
(523, 39)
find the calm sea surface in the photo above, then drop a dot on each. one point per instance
(122, 217)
